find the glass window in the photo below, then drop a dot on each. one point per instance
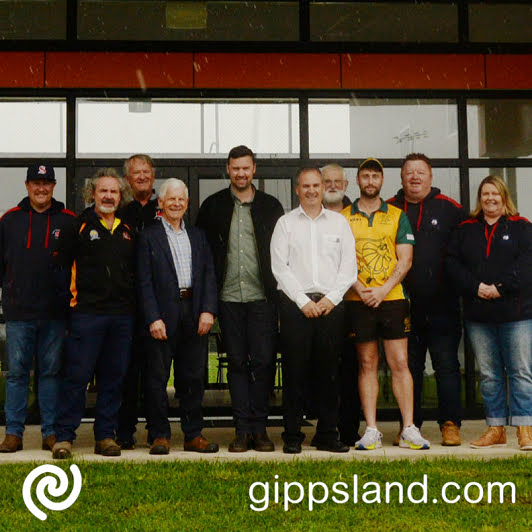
(499, 128)
(189, 20)
(191, 129)
(384, 21)
(501, 22)
(12, 184)
(33, 19)
(385, 128)
(519, 181)
(279, 188)
(33, 128)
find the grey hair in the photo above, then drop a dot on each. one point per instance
(171, 183)
(333, 166)
(141, 157)
(90, 186)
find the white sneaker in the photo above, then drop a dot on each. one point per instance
(411, 438)
(372, 439)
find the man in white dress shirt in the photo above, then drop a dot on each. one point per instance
(314, 263)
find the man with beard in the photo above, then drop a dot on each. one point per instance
(378, 307)
(335, 185)
(99, 249)
(239, 222)
(313, 260)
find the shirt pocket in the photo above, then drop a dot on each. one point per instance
(331, 245)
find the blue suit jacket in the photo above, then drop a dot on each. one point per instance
(157, 282)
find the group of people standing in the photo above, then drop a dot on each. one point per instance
(127, 288)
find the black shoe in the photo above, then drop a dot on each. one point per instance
(314, 442)
(241, 444)
(334, 446)
(126, 444)
(262, 443)
(292, 448)
(350, 440)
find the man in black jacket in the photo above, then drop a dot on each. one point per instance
(139, 213)
(239, 222)
(99, 249)
(178, 301)
(435, 311)
(35, 315)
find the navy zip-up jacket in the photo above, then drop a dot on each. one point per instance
(432, 220)
(500, 254)
(27, 242)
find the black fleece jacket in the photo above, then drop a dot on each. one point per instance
(500, 254)
(27, 242)
(215, 217)
(432, 221)
(102, 265)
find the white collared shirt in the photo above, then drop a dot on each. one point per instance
(313, 255)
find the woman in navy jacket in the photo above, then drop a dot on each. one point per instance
(490, 261)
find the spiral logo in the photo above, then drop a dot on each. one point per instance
(50, 484)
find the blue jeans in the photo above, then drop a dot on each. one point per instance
(26, 339)
(96, 345)
(504, 350)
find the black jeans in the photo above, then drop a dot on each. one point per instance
(189, 352)
(304, 340)
(250, 333)
(349, 413)
(440, 334)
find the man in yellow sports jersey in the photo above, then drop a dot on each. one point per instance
(377, 304)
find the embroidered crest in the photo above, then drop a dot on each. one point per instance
(126, 236)
(56, 233)
(93, 235)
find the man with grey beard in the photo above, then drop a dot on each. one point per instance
(335, 183)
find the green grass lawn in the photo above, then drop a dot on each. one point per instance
(187, 496)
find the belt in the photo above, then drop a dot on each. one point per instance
(185, 293)
(315, 296)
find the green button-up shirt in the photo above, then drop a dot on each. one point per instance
(242, 282)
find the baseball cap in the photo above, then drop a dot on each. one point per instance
(40, 171)
(371, 162)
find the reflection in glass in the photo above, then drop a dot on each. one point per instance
(155, 20)
(499, 128)
(33, 19)
(12, 184)
(36, 128)
(519, 181)
(386, 128)
(384, 21)
(501, 22)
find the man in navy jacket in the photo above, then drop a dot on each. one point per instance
(35, 315)
(178, 300)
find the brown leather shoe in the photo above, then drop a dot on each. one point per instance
(160, 446)
(524, 437)
(107, 447)
(11, 444)
(262, 443)
(241, 443)
(493, 437)
(450, 434)
(62, 450)
(48, 442)
(397, 438)
(200, 445)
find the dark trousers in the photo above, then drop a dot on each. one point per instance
(349, 412)
(304, 340)
(440, 335)
(250, 334)
(132, 387)
(188, 350)
(96, 345)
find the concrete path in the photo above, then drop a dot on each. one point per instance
(84, 447)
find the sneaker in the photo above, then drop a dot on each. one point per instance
(450, 434)
(372, 439)
(524, 437)
(411, 438)
(493, 437)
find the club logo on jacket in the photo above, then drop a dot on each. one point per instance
(56, 233)
(126, 236)
(434, 222)
(93, 235)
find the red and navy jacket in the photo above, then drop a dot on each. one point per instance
(432, 220)
(500, 254)
(101, 263)
(27, 242)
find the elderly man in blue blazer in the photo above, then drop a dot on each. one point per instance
(178, 300)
